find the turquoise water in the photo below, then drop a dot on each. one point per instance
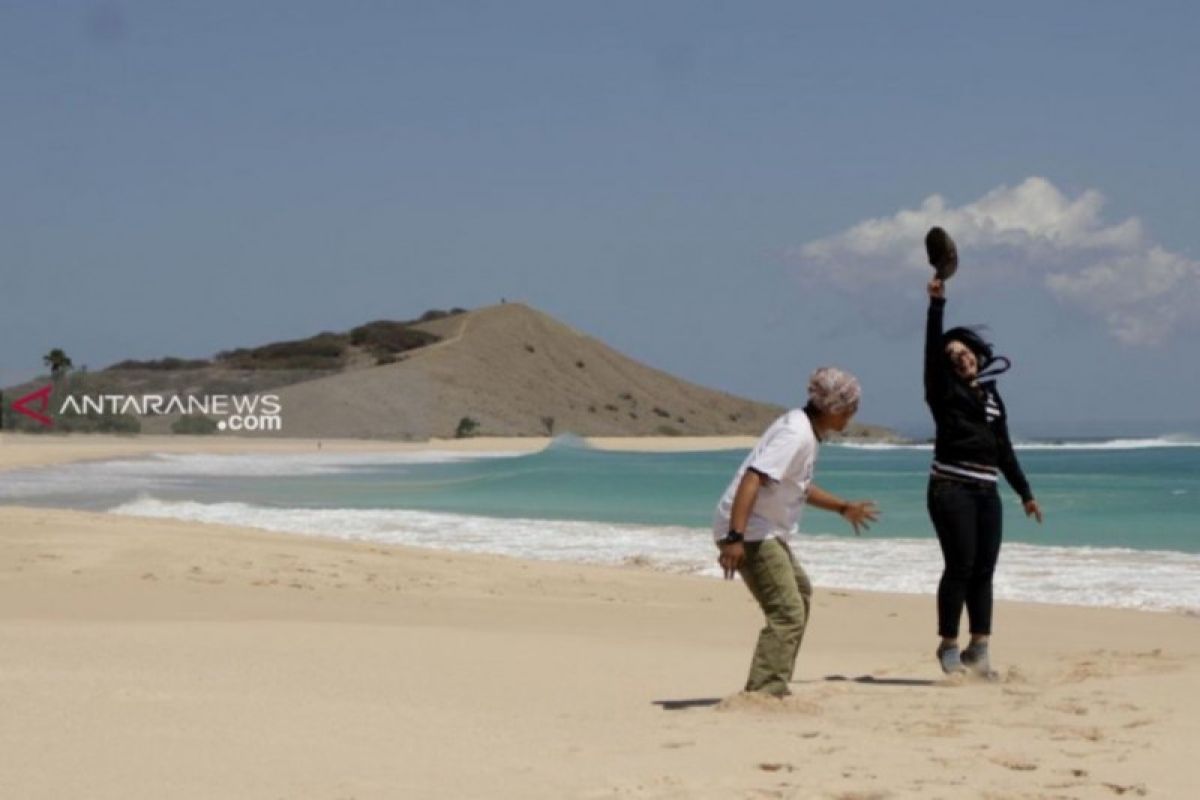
(1122, 518)
(1146, 498)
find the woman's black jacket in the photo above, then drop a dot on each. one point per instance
(964, 435)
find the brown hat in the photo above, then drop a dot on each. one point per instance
(943, 255)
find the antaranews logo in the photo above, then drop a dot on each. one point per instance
(238, 413)
(22, 405)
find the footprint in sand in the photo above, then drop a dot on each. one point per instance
(943, 729)
(1069, 707)
(1015, 763)
(763, 703)
(1138, 723)
(1112, 663)
(1088, 734)
(977, 679)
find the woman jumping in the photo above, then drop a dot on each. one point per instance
(972, 446)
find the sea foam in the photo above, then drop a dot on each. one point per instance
(160, 470)
(1114, 577)
(1180, 440)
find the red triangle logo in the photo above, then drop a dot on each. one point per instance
(42, 395)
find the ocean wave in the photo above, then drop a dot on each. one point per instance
(1111, 444)
(161, 470)
(1106, 444)
(1113, 577)
(283, 464)
(880, 446)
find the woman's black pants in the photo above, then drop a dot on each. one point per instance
(967, 518)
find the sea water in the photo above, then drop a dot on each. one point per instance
(1122, 521)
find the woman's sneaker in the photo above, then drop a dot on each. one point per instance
(976, 658)
(950, 659)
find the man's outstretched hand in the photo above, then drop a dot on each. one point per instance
(860, 513)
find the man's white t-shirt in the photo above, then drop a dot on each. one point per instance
(786, 453)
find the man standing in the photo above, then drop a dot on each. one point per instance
(761, 508)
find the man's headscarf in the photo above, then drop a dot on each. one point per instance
(833, 391)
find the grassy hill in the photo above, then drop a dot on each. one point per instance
(504, 370)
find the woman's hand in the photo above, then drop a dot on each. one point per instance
(1032, 509)
(859, 514)
(937, 288)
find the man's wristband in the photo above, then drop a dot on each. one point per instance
(733, 537)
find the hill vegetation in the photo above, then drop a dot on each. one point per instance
(504, 370)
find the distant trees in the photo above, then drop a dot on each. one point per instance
(58, 362)
(169, 363)
(384, 338)
(437, 313)
(467, 427)
(194, 424)
(325, 351)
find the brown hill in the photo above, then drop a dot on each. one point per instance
(516, 372)
(505, 370)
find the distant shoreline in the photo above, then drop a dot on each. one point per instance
(25, 450)
(20, 450)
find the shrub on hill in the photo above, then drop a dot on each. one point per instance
(194, 424)
(323, 351)
(97, 423)
(168, 363)
(437, 313)
(385, 337)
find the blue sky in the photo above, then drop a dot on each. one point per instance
(715, 189)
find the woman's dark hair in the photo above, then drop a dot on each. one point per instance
(973, 340)
(982, 348)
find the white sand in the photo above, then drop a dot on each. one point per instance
(151, 658)
(34, 450)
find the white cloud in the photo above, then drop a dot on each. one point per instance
(1142, 295)
(1141, 290)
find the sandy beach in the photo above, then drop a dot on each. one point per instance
(150, 658)
(382, 383)
(25, 450)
